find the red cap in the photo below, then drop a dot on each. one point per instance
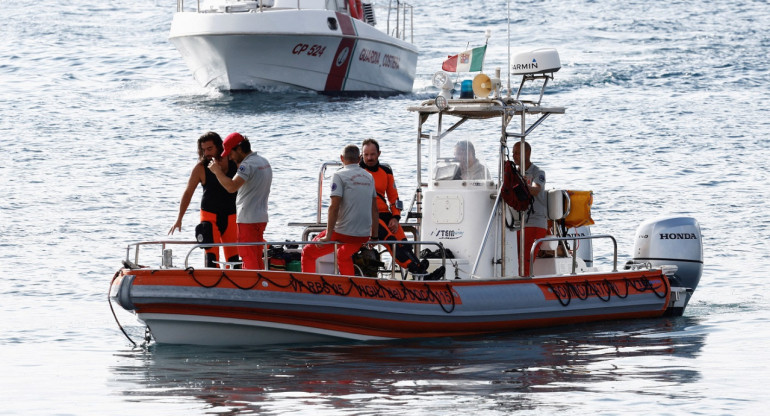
(232, 140)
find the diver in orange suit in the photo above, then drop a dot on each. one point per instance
(389, 208)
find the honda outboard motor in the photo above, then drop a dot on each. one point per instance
(672, 241)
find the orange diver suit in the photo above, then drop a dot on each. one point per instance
(385, 186)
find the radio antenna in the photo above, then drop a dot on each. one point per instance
(509, 49)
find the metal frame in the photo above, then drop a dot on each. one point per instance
(265, 245)
(484, 108)
(574, 252)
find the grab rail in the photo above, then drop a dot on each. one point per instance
(260, 3)
(265, 246)
(403, 17)
(574, 252)
(321, 174)
(400, 19)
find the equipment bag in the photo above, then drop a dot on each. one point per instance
(367, 262)
(427, 253)
(204, 233)
(515, 191)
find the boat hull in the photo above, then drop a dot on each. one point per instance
(293, 48)
(234, 307)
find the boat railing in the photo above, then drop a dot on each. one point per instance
(167, 254)
(402, 16)
(261, 5)
(537, 243)
(163, 246)
(408, 227)
(321, 176)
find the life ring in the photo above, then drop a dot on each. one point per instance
(356, 9)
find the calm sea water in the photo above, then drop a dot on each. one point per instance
(667, 113)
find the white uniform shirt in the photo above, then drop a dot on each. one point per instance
(251, 202)
(356, 187)
(537, 218)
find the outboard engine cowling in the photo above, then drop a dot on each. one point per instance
(672, 241)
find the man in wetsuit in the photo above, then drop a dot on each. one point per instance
(252, 181)
(217, 205)
(352, 217)
(389, 209)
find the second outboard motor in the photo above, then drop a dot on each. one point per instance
(672, 241)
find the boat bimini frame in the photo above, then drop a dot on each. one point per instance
(538, 65)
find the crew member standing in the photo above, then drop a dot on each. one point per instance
(389, 211)
(535, 222)
(252, 182)
(217, 204)
(352, 217)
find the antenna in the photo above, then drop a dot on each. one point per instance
(509, 49)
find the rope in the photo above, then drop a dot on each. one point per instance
(323, 286)
(109, 301)
(642, 284)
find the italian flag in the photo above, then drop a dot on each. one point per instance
(468, 61)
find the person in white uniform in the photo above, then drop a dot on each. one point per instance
(535, 222)
(353, 216)
(252, 181)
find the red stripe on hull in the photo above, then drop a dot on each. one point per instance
(380, 327)
(435, 292)
(343, 57)
(346, 24)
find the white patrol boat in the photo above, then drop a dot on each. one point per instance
(329, 46)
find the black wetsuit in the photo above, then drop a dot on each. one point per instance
(216, 199)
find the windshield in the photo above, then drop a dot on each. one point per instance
(457, 160)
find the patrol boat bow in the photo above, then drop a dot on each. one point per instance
(482, 292)
(329, 46)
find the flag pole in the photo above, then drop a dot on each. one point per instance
(457, 73)
(488, 33)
